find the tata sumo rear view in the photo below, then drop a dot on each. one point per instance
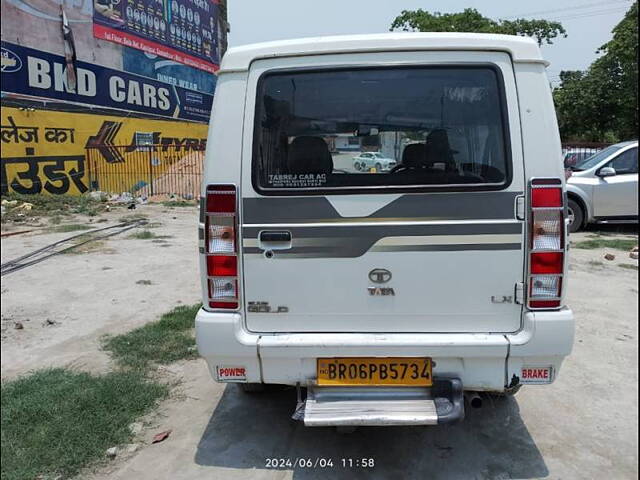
(383, 225)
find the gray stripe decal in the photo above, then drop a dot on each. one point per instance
(202, 202)
(447, 248)
(350, 242)
(333, 252)
(375, 232)
(426, 206)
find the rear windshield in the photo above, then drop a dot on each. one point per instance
(358, 129)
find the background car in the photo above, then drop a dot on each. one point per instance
(604, 187)
(367, 160)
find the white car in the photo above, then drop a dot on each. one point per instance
(368, 160)
(604, 187)
(384, 299)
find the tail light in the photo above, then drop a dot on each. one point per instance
(546, 243)
(221, 246)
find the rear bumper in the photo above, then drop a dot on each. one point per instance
(483, 362)
(374, 406)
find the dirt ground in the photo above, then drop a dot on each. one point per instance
(87, 295)
(582, 426)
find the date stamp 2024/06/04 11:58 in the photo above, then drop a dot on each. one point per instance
(319, 462)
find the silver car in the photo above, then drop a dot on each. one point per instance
(604, 186)
(368, 160)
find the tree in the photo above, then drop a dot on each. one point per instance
(620, 62)
(470, 20)
(601, 104)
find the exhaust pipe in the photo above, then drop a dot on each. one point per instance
(474, 399)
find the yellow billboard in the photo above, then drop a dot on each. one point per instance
(69, 153)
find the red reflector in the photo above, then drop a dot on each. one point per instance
(546, 181)
(546, 197)
(222, 266)
(232, 305)
(221, 199)
(548, 262)
(544, 303)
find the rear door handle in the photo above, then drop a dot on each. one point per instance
(274, 240)
(271, 236)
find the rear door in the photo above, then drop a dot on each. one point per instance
(433, 245)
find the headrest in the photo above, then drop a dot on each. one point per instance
(309, 155)
(414, 155)
(438, 147)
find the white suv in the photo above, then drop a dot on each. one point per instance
(385, 297)
(368, 160)
(604, 186)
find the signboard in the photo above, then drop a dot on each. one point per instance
(19, 16)
(26, 71)
(36, 24)
(185, 31)
(168, 71)
(44, 151)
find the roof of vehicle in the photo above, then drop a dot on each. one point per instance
(627, 143)
(521, 49)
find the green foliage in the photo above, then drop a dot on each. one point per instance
(165, 341)
(617, 244)
(542, 30)
(601, 104)
(54, 422)
(470, 20)
(132, 218)
(143, 235)
(628, 266)
(179, 203)
(70, 227)
(51, 206)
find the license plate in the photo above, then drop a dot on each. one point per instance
(381, 372)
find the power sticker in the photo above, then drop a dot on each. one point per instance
(231, 374)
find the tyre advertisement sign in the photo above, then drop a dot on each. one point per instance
(185, 31)
(45, 151)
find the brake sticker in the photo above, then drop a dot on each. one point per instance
(231, 374)
(531, 374)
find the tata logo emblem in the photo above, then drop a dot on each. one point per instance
(10, 62)
(379, 275)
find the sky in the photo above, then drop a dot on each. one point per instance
(588, 22)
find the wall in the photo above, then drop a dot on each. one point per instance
(44, 151)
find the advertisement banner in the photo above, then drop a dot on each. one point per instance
(26, 71)
(18, 16)
(168, 71)
(185, 31)
(45, 151)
